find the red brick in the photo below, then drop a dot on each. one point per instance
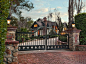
(70, 57)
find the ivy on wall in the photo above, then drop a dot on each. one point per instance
(4, 11)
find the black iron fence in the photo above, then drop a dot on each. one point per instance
(50, 41)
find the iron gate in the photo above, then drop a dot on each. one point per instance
(50, 41)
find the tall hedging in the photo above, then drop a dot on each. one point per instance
(4, 11)
(80, 22)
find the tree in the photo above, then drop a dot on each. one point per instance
(50, 16)
(25, 23)
(80, 22)
(60, 25)
(17, 5)
(70, 12)
(74, 5)
(29, 23)
(22, 23)
(79, 5)
(14, 21)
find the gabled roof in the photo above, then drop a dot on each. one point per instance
(41, 23)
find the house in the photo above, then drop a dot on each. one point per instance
(39, 23)
(65, 26)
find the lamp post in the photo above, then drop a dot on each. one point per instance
(73, 24)
(8, 20)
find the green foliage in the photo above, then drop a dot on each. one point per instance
(24, 30)
(24, 23)
(63, 38)
(30, 24)
(80, 22)
(25, 36)
(4, 11)
(52, 32)
(17, 5)
(14, 21)
(53, 36)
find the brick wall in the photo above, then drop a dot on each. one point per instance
(80, 47)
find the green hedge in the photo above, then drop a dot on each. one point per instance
(80, 22)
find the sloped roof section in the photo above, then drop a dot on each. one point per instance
(49, 23)
(39, 23)
(54, 23)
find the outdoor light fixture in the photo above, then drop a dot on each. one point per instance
(73, 24)
(8, 20)
(62, 33)
(65, 28)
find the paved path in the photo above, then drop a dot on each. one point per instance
(53, 57)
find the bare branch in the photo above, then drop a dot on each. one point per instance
(79, 5)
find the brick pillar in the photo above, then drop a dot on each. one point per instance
(11, 31)
(11, 47)
(73, 38)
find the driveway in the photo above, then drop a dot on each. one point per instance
(52, 57)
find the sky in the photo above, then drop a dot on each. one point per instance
(43, 7)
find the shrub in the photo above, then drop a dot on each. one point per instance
(63, 38)
(80, 22)
(24, 30)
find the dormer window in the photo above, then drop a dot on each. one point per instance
(35, 25)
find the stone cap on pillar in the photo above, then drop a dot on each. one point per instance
(73, 30)
(11, 42)
(11, 28)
